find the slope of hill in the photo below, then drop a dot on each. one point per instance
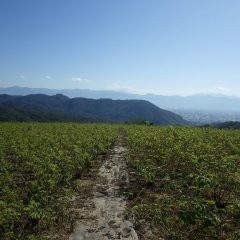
(10, 114)
(196, 102)
(225, 125)
(104, 110)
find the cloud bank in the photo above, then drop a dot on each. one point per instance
(79, 79)
(223, 89)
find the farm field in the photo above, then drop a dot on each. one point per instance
(187, 183)
(184, 182)
(40, 168)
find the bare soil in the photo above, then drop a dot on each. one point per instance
(102, 211)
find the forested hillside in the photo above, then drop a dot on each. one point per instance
(104, 110)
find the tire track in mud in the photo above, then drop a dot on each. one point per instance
(106, 217)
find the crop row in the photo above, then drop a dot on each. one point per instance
(188, 181)
(38, 163)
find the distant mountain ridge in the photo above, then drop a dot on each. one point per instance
(216, 102)
(101, 110)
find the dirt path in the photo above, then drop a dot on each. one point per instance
(105, 215)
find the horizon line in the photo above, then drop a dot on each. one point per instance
(128, 92)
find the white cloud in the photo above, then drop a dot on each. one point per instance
(223, 89)
(79, 79)
(48, 77)
(118, 86)
(22, 77)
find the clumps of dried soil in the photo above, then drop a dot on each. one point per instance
(102, 215)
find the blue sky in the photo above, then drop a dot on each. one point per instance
(177, 47)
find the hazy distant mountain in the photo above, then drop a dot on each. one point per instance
(104, 110)
(95, 94)
(196, 102)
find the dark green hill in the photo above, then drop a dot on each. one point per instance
(225, 125)
(104, 110)
(199, 102)
(10, 114)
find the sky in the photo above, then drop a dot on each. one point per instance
(168, 47)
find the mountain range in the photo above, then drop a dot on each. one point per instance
(208, 102)
(41, 107)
